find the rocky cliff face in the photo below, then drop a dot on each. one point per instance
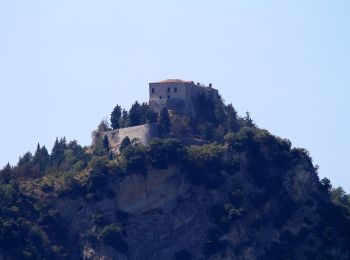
(250, 197)
(167, 217)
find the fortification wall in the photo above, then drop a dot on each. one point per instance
(145, 133)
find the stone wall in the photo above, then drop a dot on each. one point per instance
(142, 132)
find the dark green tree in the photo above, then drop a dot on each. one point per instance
(125, 119)
(106, 143)
(125, 143)
(231, 121)
(326, 185)
(41, 157)
(115, 117)
(151, 116)
(135, 114)
(248, 121)
(57, 154)
(5, 173)
(164, 121)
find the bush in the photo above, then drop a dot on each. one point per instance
(164, 152)
(135, 158)
(203, 165)
(111, 235)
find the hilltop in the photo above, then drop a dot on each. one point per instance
(203, 183)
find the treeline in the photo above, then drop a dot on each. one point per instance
(138, 114)
(211, 120)
(67, 157)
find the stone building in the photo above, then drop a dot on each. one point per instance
(178, 95)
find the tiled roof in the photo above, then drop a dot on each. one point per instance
(174, 81)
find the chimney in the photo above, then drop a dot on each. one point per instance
(198, 84)
(210, 85)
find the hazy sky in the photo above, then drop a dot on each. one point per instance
(65, 64)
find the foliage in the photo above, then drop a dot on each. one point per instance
(203, 165)
(116, 117)
(162, 153)
(164, 121)
(134, 158)
(125, 143)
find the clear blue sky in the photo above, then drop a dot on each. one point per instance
(65, 64)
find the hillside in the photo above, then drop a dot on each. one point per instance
(240, 193)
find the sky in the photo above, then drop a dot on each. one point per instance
(64, 66)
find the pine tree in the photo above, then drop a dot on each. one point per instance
(57, 154)
(125, 119)
(248, 121)
(115, 117)
(5, 173)
(231, 123)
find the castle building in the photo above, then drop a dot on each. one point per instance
(178, 95)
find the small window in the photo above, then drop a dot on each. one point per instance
(160, 97)
(168, 90)
(175, 90)
(152, 90)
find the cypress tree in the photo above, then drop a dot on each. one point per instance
(115, 117)
(164, 121)
(106, 143)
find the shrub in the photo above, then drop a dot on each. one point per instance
(111, 235)
(164, 152)
(203, 165)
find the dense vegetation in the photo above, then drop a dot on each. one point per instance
(32, 228)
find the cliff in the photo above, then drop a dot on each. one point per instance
(252, 197)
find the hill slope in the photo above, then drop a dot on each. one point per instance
(249, 195)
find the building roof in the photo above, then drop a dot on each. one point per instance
(175, 81)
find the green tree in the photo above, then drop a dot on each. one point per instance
(164, 121)
(248, 121)
(115, 117)
(41, 157)
(5, 173)
(106, 143)
(135, 114)
(231, 123)
(57, 154)
(125, 119)
(125, 143)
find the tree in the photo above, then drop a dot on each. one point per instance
(248, 121)
(103, 126)
(164, 121)
(125, 143)
(57, 154)
(5, 173)
(115, 117)
(135, 114)
(41, 157)
(232, 124)
(326, 185)
(151, 116)
(125, 119)
(106, 143)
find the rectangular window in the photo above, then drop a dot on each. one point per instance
(152, 90)
(168, 90)
(175, 90)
